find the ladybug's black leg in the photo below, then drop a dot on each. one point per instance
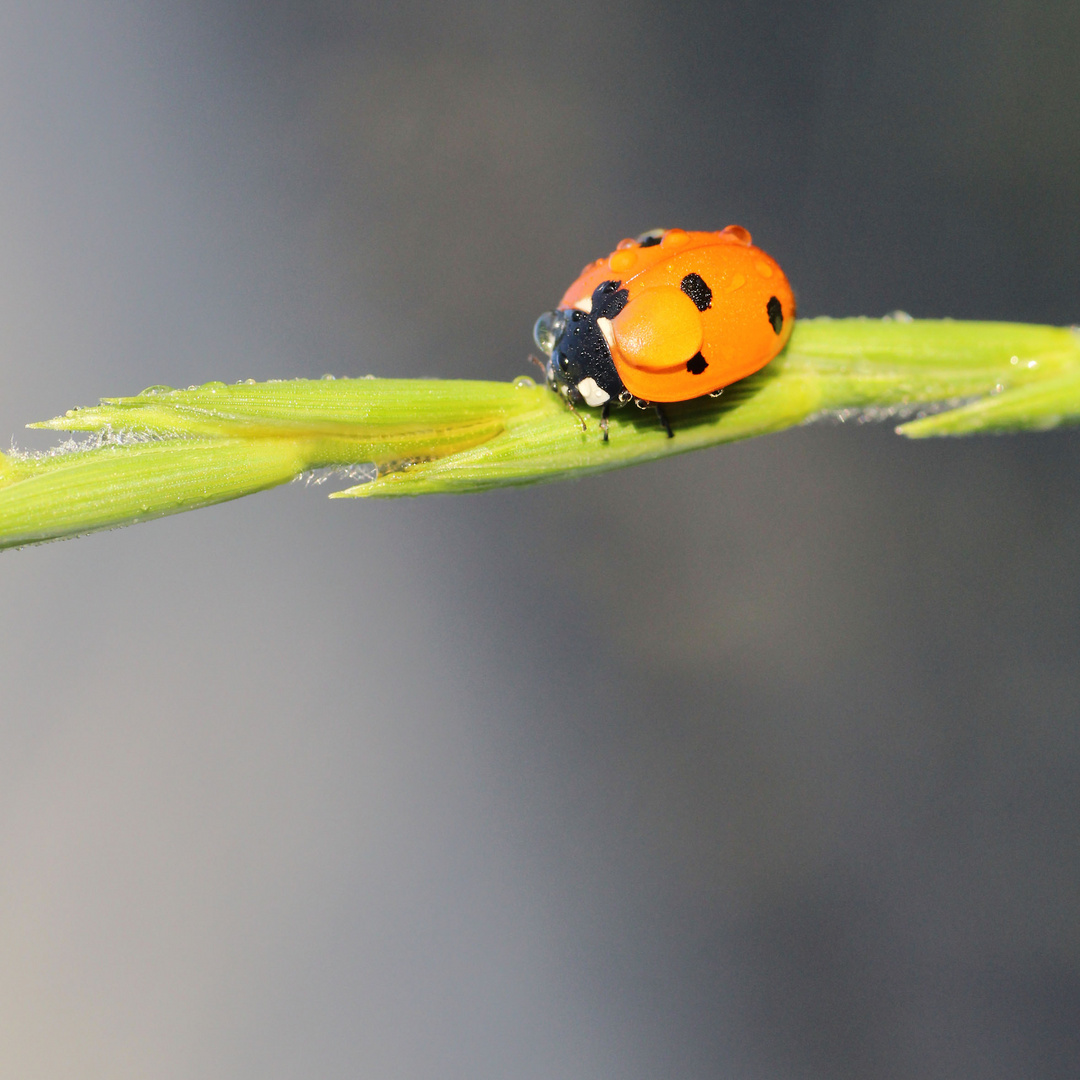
(577, 416)
(605, 412)
(662, 417)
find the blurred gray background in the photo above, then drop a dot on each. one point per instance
(757, 763)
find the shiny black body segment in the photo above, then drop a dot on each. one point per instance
(581, 350)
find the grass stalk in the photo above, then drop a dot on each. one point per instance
(165, 451)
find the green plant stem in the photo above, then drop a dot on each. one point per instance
(166, 450)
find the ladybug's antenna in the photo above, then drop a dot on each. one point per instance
(540, 364)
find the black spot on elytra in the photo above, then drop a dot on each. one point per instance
(608, 299)
(775, 313)
(694, 286)
(650, 241)
(696, 364)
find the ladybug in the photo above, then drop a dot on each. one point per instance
(670, 316)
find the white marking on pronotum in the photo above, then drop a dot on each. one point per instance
(607, 330)
(592, 393)
(584, 304)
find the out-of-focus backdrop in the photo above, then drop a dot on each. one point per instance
(757, 763)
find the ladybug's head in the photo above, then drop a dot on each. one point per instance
(577, 343)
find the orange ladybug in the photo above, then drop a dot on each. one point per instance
(670, 316)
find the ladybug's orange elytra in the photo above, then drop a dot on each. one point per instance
(670, 316)
(660, 329)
